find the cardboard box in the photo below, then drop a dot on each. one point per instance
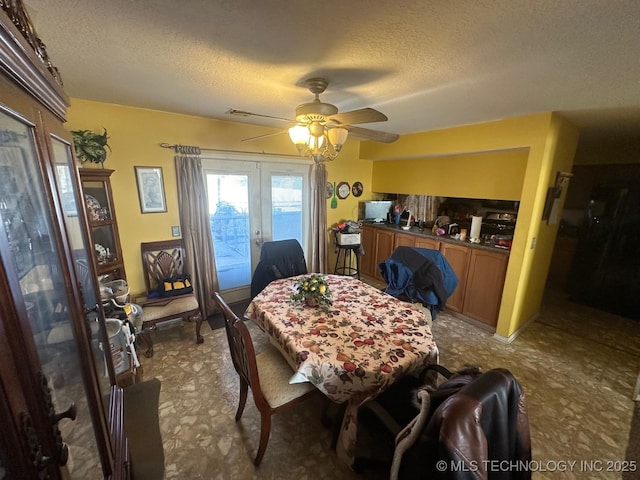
(348, 238)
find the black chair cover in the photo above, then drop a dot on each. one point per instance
(278, 259)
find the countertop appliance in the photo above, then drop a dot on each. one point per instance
(374, 211)
(499, 223)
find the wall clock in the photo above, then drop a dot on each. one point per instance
(343, 190)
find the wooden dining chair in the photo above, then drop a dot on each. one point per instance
(267, 374)
(162, 261)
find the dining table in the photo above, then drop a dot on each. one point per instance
(352, 349)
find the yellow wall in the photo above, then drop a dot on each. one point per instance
(560, 147)
(350, 169)
(135, 136)
(524, 154)
(491, 175)
(549, 143)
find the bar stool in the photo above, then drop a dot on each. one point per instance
(347, 252)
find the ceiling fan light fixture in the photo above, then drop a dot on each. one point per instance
(299, 135)
(317, 141)
(337, 137)
(320, 131)
(316, 129)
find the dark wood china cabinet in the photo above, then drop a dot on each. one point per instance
(60, 416)
(103, 225)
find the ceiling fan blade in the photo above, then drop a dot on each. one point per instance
(258, 137)
(375, 135)
(243, 113)
(364, 115)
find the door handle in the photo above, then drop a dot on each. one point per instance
(69, 413)
(62, 454)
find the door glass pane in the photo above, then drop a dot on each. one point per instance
(286, 207)
(229, 220)
(33, 264)
(75, 232)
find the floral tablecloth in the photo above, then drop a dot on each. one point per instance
(351, 351)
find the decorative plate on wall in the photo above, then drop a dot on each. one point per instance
(343, 190)
(357, 189)
(329, 189)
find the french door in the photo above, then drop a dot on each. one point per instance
(252, 201)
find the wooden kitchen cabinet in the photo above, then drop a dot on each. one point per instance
(431, 243)
(378, 245)
(458, 258)
(384, 248)
(480, 271)
(485, 281)
(404, 240)
(368, 242)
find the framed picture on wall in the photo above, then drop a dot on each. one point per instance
(150, 189)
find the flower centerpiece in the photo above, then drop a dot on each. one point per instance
(313, 290)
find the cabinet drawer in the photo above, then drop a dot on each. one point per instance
(404, 240)
(422, 242)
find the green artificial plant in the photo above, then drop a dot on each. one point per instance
(90, 146)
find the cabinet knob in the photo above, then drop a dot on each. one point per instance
(70, 413)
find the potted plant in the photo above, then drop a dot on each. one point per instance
(90, 146)
(312, 290)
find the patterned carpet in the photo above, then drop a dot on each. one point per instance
(578, 367)
(633, 448)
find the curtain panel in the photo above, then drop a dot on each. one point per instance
(317, 260)
(196, 230)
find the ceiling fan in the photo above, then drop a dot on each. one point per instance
(319, 130)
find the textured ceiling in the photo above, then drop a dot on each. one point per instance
(426, 64)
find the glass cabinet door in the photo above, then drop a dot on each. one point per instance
(33, 265)
(76, 234)
(103, 226)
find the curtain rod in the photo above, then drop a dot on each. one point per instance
(195, 150)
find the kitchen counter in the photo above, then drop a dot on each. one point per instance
(480, 268)
(426, 233)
